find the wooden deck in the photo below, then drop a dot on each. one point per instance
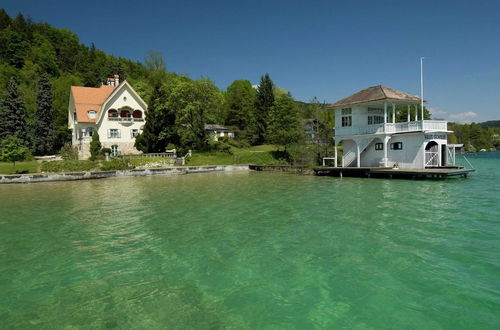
(389, 172)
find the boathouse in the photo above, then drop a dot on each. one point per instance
(383, 127)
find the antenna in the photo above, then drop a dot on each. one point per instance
(422, 86)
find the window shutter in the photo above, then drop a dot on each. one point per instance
(109, 133)
(119, 133)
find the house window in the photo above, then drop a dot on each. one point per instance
(89, 131)
(397, 146)
(114, 133)
(114, 150)
(379, 146)
(134, 132)
(125, 114)
(91, 114)
(112, 113)
(74, 116)
(346, 117)
(137, 114)
(373, 120)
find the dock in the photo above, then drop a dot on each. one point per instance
(389, 172)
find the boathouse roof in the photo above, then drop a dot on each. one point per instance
(375, 93)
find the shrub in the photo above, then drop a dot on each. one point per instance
(95, 146)
(68, 166)
(115, 165)
(68, 152)
(105, 151)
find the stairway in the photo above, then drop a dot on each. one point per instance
(351, 157)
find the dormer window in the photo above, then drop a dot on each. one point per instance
(112, 113)
(91, 114)
(137, 114)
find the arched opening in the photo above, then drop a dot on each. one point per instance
(112, 113)
(137, 114)
(124, 113)
(432, 154)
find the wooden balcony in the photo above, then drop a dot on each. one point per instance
(390, 128)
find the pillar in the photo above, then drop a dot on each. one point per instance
(385, 113)
(358, 155)
(416, 112)
(335, 151)
(393, 113)
(386, 139)
(408, 117)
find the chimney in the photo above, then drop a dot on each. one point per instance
(117, 79)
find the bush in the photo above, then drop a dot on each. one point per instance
(68, 166)
(115, 165)
(68, 152)
(220, 146)
(95, 146)
(105, 151)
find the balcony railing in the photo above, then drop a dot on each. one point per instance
(411, 126)
(125, 119)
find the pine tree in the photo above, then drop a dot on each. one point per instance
(265, 100)
(284, 122)
(95, 146)
(43, 138)
(13, 114)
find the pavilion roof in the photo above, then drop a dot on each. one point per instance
(375, 93)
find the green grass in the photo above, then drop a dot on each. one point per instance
(21, 167)
(254, 155)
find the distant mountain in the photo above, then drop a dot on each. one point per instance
(490, 123)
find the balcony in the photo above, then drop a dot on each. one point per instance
(390, 128)
(125, 119)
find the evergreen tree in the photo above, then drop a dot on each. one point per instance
(239, 104)
(95, 146)
(265, 100)
(13, 114)
(43, 138)
(284, 126)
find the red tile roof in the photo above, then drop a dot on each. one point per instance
(375, 93)
(89, 98)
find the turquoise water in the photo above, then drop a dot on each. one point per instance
(253, 251)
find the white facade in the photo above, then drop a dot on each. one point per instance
(371, 137)
(118, 120)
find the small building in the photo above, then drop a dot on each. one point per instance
(366, 127)
(113, 110)
(218, 131)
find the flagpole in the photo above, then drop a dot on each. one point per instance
(422, 87)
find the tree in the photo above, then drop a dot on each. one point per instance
(43, 137)
(95, 146)
(196, 103)
(264, 102)
(239, 104)
(284, 126)
(13, 150)
(13, 114)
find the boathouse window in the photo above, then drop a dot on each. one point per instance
(346, 117)
(375, 116)
(397, 146)
(114, 133)
(379, 146)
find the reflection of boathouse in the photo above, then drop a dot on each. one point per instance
(383, 127)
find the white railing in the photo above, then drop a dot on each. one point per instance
(411, 126)
(125, 119)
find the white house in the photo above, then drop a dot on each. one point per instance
(365, 125)
(218, 131)
(114, 110)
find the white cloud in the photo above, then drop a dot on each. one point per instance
(465, 117)
(437, 112)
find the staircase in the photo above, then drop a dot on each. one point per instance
(350, 157)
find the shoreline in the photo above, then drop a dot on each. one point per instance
(92, 175)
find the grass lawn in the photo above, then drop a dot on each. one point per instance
(21, 167)
(254, 155)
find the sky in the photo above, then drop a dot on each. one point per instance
(324, 49)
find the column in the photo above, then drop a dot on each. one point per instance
(358, 155)
(335, 165)
(416, 112)
(393, 113)
(385, 113)
(386, 139)
(409, 117)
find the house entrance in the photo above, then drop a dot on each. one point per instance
(432, 154)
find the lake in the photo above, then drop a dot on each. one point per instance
(253, 250)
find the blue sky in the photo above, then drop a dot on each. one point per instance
(327, 49)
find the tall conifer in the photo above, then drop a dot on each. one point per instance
(43, 138)
(265, 100)
(13, 114)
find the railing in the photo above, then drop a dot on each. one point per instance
(125, 119)
(411, 126)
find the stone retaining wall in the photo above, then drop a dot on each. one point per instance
(72, 176)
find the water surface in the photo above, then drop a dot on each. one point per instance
(253, 251)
